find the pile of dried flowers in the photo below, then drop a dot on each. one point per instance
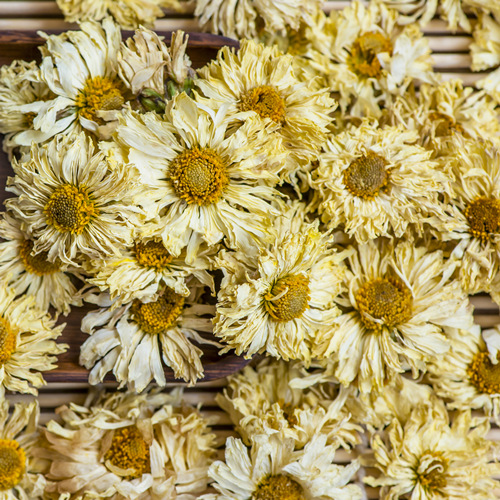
(320, 196)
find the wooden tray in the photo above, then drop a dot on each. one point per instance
(201, 48)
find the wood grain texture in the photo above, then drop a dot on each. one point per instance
(201, 48)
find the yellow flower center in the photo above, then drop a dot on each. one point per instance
(265, 101)
(7, 341)
(363, 59)
(483, 215)
(444, 125)
(289, 413)
(366, 176)
(288, 298)
(385, 299)
(278, 487)
(198, 175)
(152, 254)
(99, 94)
(129, 451)
(431, 471)
(12, 464)
(159, 316)
(37, 264)
(70, 209)
(483, 374)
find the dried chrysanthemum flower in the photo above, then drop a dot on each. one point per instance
(129, 14)
(261, 400)
(133, 339)
(72, 202)
(280, 300)
(142, 270)
(439, 112)
(154, 71)
(361, 53)
(400, 297)
(20, 472)
(19, 85)
(80, 69)
(377, 182)
(49, 282)
(27, 342)
(473, 216)
(271, 469)
(203, 186)
(261, 81)
(429, 457)
(125, 445)
(468, 376)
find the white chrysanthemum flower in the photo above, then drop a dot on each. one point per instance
(252, 20)
(400, 299)
(27, 342)
(80, 69)
(142, 270)
(133, 339)
(279, 301)
(261, 400)
(273, 470)
(411, 11)
(204, 186)
(362, 54)
(261, 81)
(439, 112)
(147, 65)
(19, 85)
(20, 472)
(428, 457)
(124, 445)
(473, 216)
(377, 182)
(129, 14)
(49, 282)
(72, 202)
(468, 376)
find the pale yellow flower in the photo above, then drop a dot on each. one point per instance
(27, 342)
(129, 446)
(132, 340)
(429, 457)
(20, 472)
(204, 186)
(261, 400)
(400, 299)
(49, 282)
(260, 82)
(375, 181)
(72, 202)
(272, 467)
(279, 301)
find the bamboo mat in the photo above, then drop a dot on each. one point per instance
(451, 57)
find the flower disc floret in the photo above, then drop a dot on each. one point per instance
(152, 254)
(483, 374)
(483, 216)
(70, 209)
(7, 341)
(12, 464)
(278, 487)
(288, 298)
(129, 451)
(431, 472)
(366, 176)
(99, 94)
(386, 299)
(37, 264)
(160, 315)
(198, 175)
(364, 51)
(265, 101)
